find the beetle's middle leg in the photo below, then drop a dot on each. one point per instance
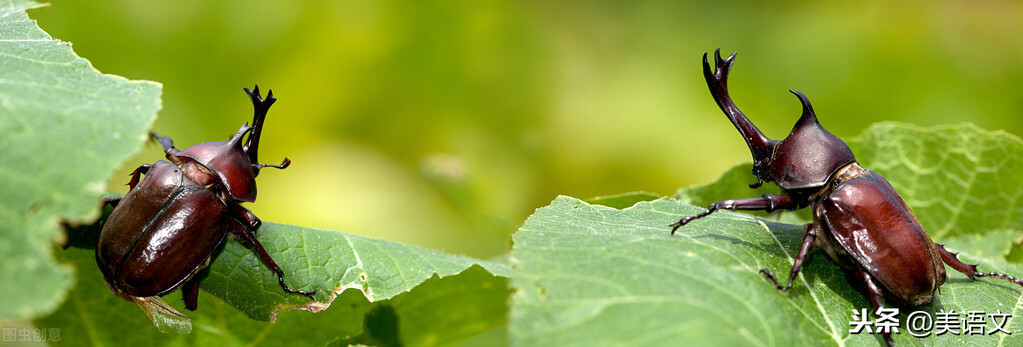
(767, 202)
(803, 255)
(190, 292)
(137, 175)
(874, 294)
(971, 270)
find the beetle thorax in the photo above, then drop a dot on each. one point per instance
(200, 174)
(809, 155)
(228, 163)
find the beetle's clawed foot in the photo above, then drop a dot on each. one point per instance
(280, 279)
(770, 276)
(308, 293)
(166, 143)
(682, 222)
(162, 140)
(679, 224)
(998, 275)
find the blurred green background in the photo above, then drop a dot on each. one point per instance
(446, 123)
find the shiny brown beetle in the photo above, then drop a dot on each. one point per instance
(858, 218)
(166, 228)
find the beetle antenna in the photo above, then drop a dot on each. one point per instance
(260, 107)
(282, 165)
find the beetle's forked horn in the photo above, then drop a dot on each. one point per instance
(260, 107)
(760, 146)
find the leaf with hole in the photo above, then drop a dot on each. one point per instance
(66, 128)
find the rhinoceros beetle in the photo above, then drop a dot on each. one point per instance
(166, 228)
(858, 218)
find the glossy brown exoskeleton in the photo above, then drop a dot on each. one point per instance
(164, 230)
(858, 218)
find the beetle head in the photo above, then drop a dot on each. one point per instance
(804, 159)
(233, 163)
(229, 162)
(808, 156)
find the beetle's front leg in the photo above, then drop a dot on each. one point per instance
(244, 230)
(767, 202)
(168, 146)
(804, 253)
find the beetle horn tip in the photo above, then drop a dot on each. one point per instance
(731, 57)
(807, 107)
(725, 61)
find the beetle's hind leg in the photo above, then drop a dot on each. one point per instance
(802, 256)
(971, 269)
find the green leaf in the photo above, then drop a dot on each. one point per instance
(364, 294)
(328, 261)
(622, 200)
(66, 128)
(589, 274)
